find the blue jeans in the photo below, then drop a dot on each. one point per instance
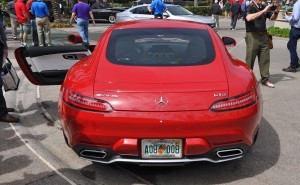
(292, 46)
(234, 19)
(83, 25)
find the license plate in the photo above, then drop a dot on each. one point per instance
(161, 148)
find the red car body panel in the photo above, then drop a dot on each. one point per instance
(132, 93)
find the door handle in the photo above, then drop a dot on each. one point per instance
(74, 56)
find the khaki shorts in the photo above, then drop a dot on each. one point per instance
(25, 28)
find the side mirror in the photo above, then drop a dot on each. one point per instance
(74, 38)
(228, 41)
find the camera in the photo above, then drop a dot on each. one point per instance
(274, 3)
(272, 8)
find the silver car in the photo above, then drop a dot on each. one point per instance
(175, 12)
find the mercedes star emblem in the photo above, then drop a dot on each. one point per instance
(161, 102)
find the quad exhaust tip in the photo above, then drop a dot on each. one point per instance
(93, 154)
(229, 153)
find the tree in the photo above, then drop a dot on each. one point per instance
(195, 2)
(56, 11)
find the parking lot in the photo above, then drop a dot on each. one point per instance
(34, 151)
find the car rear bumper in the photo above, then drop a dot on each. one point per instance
(118, 134)
(112, 157)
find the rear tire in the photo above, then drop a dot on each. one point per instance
(112, 19)
(66, 139)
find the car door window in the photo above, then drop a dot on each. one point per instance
(141, 10)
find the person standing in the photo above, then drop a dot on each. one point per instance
(24, 21)
(10, 8)
(294, 21)
(157, 7)
(41, 12)
(227, 9)
(216, 11)
(35, 40)
(235, 12)
(82, 11)
(257, 39)
(4, 115)
(243, 8)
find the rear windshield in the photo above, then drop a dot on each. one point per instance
(178, 10)
(160, 47)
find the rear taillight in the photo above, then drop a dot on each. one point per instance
(237, 102)
(76, 100)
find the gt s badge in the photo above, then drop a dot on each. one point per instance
(220, 94)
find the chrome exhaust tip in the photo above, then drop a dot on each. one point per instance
(93, 154)
(229, 153)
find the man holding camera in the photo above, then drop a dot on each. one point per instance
(294, 21)
(257, 38)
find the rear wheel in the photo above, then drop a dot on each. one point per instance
(112, 19)
(66, 139)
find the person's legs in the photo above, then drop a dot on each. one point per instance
(80, 25)
(4, 116)
(39, 26)
(35, 39)
(217, 20)
(86, 32)
(47, 31)
(27, 31)
(234, 20)
(292, 47)
(14, 24)
(3, 109)
(252, 47)
(21, 32)
(264, 58)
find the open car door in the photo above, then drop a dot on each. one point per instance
(49, 65)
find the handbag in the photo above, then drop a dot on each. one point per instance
(9, 76)
(270, 40)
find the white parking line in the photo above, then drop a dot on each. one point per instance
(41, 158)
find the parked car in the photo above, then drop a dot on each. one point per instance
(104, 11)
(177, 2)
(175, 12)
(151, 91)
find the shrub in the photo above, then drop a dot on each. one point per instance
(200, 3)
(279, 32)
(199, 10)
(61, 25)
(128, 4)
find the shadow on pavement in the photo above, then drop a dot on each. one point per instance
(263, 156)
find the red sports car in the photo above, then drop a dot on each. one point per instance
(151, 91)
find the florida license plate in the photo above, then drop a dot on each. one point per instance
(161, 148)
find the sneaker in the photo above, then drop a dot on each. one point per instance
(10, 109)
(9, 119)
(15, 38)
(232, 29)
(23, 44)
(289, 69)
(269, 84)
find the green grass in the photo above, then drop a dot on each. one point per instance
(279, 32)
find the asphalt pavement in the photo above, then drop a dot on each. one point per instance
(33, 151)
